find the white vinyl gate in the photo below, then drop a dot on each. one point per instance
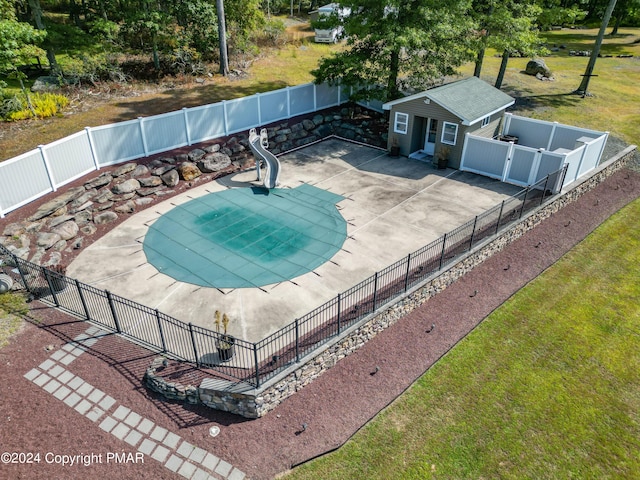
(539, 148)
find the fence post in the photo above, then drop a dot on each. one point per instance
(164, 345)
(406, 276)
(524, 201)
(50, 283)
(83, 301)
(193, 343)
(92, 147)
(113, 311)
(297, 340)
(444, 244)
(45, 160)
(224, 117)
(375, 291)
(22, 275)
(185, 117)
(499, 216)
(473, 232)
(339, 312)
(255, 360)
(143, 136)
(544, 190)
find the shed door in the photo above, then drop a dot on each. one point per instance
(430, 137)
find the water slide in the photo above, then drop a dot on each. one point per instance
(259, 144)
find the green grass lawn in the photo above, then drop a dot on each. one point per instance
(616, 90)
(12, 306)
(547, 387)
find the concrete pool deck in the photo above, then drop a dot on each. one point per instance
(392, 206)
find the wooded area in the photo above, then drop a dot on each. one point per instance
(397, 45)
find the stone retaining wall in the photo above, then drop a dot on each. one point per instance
(256, 403)
(62, 226)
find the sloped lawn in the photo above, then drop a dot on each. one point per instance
(548, 386)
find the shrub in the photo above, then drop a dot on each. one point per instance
(44, 105)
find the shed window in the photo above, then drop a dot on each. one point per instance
(449, 133)
(401, 124)
(485, 121)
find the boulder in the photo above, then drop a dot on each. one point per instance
(22, 253)
(162, 169)
(89, 229)
(214, 162)
(53, 206)
(104, 217)
(104, 206)
(196, 154)
(82, 207)
(189, 171)
(141, 202)
(308, 124)
(14, 229)
(55, 221)
(54, 259)
(128, 186)
(537, 66)
(128, 207)
(99, 181)
(59, 246)
(47, 240)
(124, 169)
(143, 192)
(46, 84)
(83, 217)
(78, 242)
(150, 181)
(212, 148)
(66, 230)
(140, 171)
(104, 197)
(84, 198)
(170, 178)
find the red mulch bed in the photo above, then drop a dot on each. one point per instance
(334, 407)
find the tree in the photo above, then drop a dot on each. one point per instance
(584, 84)
(222, 35)
(18, 43)
(395, 45)
(36, 11)
(508, 26)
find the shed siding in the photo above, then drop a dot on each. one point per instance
(418, 111)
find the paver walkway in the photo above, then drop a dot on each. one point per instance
(162, 445)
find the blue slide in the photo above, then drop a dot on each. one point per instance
(259, 144)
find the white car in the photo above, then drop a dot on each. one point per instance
(330, 35)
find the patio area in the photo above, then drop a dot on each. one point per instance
(392, 206)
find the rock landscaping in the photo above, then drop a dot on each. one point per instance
(54, 232)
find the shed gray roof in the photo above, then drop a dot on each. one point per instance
(470, 99)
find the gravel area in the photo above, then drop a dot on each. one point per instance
(334, 407)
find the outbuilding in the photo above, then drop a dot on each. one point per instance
(432, 124)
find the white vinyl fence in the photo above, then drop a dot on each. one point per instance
(541, 148)
(48, 167)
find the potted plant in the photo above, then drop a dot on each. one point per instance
(442, 157)
(394, 149)
(224, 343)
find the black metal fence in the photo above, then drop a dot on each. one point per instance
(254, 363)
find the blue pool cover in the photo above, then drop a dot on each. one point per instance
(247, 237)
